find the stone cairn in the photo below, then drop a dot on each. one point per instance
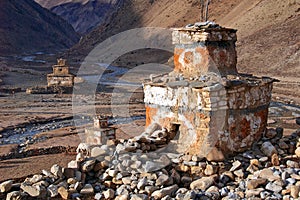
(100, 132)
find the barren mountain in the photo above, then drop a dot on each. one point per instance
(268, 33)
(140, 13)
(83, 15)
(86, 16)
(52, 3)
(27, 27)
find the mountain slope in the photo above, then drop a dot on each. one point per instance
(268, 30)
(143, 13)
(52, 3)
(26, 27)
(268, 36)
(85, 17)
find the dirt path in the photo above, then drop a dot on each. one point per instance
(17, 168)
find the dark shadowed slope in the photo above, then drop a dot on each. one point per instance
(86, 16)
(26, 27)
(52, 3)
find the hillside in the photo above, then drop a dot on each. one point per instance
(52, 3)
(83, 15)
(143, 13)
(257, 21)
(26, 27)
(268, 33)
(270, 43)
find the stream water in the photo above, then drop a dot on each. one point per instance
(111, 78)
(21, 135)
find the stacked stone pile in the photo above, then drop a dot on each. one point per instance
(131, 170)
(152, 139)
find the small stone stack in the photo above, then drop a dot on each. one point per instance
(100, 132)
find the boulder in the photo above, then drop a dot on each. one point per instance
(139, 197)
(153, 127)
(162, 180)
(88, 166)
(109, 194)
(203, 183)
(35, 179)
(34, 191)
(295, 189)
(15, 195)
(268, 174)
(159, 194)
(69, 172)
(236, 165)
(74, 164)
(64, 193)
(298, 121)
(254, 183)
(254, 192)
(97, 151)
(87, 189)
(52, 190)
(215, 155)
(268, 149)
(274, 187)
(6, 186)
(57, 171)
(210, 170)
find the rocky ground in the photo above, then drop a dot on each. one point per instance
(104, 179)
(141, 168)
(22, 114)
(45, 164)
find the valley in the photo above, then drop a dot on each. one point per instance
(34, 34)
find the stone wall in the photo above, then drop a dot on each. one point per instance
(215, 110)
(99, 135)
(61, 77)
(65, 81)
(60, 70)
(198, 52)
(229, 119)
(49, 90)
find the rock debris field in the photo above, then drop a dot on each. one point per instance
(142, 168)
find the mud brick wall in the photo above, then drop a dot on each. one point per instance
(65, 81)
(214, 109)
(200, 51)
(60, 70)
(229, 119)
(99, 136)
(60, 76)
(248, 114)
